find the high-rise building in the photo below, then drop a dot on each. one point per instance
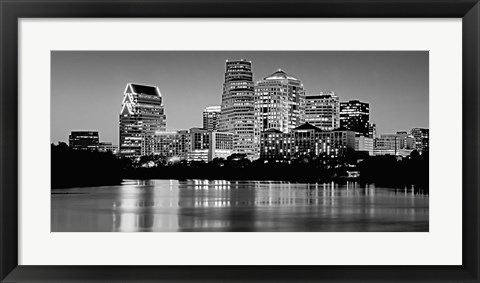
(323, 110)
(421, 138)
(211, 115)
(237, 110)
(354, 116)
(141, 116)
(279, 104)
(83, 140)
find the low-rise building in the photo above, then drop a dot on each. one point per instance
(107, 147)
(400, 143)
(196, 144)
(363, 143)
(83, 140)
(172, 144)
(305, 140)
(274, 144)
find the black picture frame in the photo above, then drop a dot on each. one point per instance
(12, 10)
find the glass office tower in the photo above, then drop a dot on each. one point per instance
(323, 110)
(279, 104)
(142, 115)
(237, 110)
(354, 116)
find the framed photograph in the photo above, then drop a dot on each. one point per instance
(228, 141)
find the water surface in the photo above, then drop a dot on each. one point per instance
(243, 206)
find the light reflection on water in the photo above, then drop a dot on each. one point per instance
(218, 205)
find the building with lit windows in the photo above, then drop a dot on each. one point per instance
(197, 144)
(323, 110)
(363, 143)
(172, 145)
(400, 144)
(305, 140)
(354, 116)
(311, 140)
(83, 140)
(221, 145)
(211, 114)
(237, 109)
(107, 147)
(279, 103)
(421, 138)
(372, 130)
(141, 116)
(274, 144)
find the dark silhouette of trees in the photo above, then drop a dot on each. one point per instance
(392, 170)
(78, 168)
(90, 168)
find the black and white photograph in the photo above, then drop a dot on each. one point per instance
(239, 141)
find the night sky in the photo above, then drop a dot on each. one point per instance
(87, 86)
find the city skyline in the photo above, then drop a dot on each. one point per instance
(405, 73)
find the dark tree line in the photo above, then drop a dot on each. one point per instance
(72, 168)
(78, 168)
(387, 169)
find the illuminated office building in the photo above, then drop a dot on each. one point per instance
(237, 110)
(83, 140)
(197, 144)
(211, 114)
(107, 147)
(363, 143)
(141, 116)
(354, 116)
(372, 130)
(305, 140)
(274, 144)
(323, 110)
(172, 145)
(400, 144)
(421, 138)
(279, 104)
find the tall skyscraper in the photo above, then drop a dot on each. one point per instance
(237, 111)
(354, 116)
(323, 110)
(142, 115)
(83, 140)
(211, 114)
(279, 104)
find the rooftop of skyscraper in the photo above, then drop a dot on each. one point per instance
(280, 75)
(144, 89)
(213, 108)
(321, 95)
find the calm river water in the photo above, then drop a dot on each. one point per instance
(243, 206)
